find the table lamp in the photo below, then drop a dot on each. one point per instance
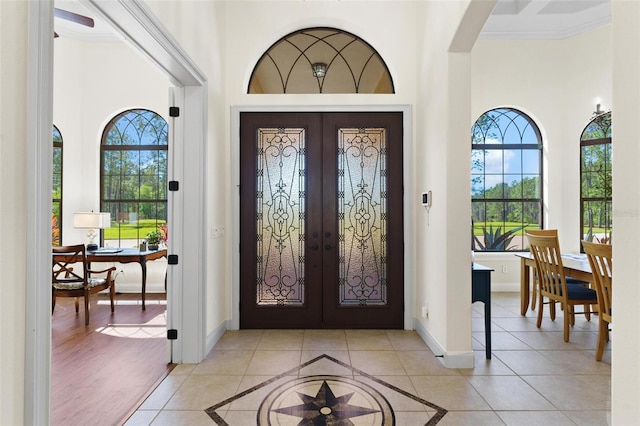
(91, 221)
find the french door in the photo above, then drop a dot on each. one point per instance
(321, 238)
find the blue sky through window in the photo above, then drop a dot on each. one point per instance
(502, 141)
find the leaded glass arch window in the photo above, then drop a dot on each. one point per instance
(56, 189)
(595, 180)
(133, 182)
(506, 179)
(321, 60)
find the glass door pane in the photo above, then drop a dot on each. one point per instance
(362, 210)
(280, 195)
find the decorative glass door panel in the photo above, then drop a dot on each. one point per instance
(280, 203)
(321, 220)
(362, 216)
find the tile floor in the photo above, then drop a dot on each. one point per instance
(381, 376)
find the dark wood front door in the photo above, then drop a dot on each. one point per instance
(321, 238)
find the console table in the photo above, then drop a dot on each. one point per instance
(481, 292)
(128, 255)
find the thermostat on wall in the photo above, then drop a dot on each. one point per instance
(426, 199)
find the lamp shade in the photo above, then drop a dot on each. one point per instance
(92, 220)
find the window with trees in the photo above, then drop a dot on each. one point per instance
(56, 189)
(133, 181)
(506, 179)
(595, 180)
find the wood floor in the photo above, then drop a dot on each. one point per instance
(101, 373)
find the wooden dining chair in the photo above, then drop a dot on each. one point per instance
(600, 260)
(536, 285)
(71, 277)
(553, 283)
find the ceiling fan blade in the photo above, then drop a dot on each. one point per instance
(74, 17)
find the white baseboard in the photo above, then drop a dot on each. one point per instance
(506, 287)
(216, 334)
(136, 287)
(448, 359)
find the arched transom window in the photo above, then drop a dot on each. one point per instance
(321, 60)
(133, 185)
(506, 179)
(595, 180)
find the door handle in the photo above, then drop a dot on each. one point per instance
(314, 247)
(328, 247)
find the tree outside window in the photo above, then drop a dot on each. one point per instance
(56, 189)
(595, 177)
(133, 187)
(506, 176)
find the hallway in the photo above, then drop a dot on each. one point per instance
(377, 376)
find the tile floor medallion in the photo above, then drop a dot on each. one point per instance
(291, 398)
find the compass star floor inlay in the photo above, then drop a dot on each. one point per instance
(293, 398)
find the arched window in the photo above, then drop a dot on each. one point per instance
(321, 60)
(595, 180)
(133, 181)
(56, 189)
(506, 179)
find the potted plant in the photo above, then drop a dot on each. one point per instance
(153, 239)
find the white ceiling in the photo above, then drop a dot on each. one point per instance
(545, 19)
(64, 28)
(511, 19)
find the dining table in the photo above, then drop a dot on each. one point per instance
(575, 265)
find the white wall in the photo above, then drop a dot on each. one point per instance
(443, 271)
(229, 57)
(554, 82)
(625, 351)
(13, 212)
(248, 41)
(205, 42)
(514, 74)
(202, 36)
(421, 71)
(256, 25)
(92, 83)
